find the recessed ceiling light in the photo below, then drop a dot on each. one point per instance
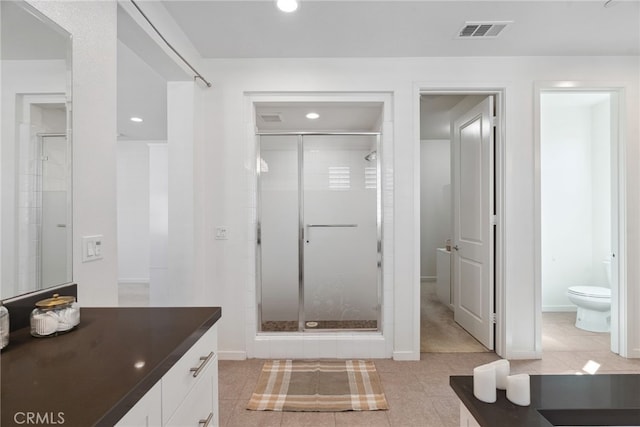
(136, 119)
(287, 5)
(312, 116)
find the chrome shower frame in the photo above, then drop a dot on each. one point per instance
(379, 221)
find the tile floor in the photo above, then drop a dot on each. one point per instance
(133, 294)
(439, 333)
(418, 392)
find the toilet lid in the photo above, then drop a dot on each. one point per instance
(591, 291)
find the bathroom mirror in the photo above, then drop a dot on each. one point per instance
(35, 151)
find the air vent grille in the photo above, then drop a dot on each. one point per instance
(474, 30)
(271, 117)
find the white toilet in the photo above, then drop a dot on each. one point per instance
(594, 305)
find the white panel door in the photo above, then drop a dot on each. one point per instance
(473, 180)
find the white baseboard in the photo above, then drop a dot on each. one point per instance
(232, 355)
(523, 355)
(406, 355)
(559, 308)
(142, 281)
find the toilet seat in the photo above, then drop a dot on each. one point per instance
(590, 291)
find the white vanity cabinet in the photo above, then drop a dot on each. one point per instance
(147, 412)
(187, 395)
(190, 388)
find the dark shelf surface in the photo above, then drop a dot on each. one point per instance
(584, 400)
(94, 374)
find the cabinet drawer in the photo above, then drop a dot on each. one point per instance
(180, 379)
(146, 412)
(198, 409)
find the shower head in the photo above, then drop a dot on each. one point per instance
(371, 156)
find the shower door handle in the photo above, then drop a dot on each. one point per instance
(326, 226)
(332, 225)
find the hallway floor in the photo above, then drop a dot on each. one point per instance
(439, 333)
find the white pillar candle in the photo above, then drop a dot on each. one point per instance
(484, 383)
(503, 369)
(518, 389)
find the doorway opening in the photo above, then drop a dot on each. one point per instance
(459, 206)
(579, 226)
(319, 259)
(45, 215)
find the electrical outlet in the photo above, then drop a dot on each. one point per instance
(222, 232)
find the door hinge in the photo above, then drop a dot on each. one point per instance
(494, 219)
(494, 121)
(492, 318)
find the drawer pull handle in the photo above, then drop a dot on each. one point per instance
(205, 359)
(207, 421)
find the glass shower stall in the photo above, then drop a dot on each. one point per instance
(319, 231)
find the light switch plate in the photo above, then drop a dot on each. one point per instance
(92, 248)
(222, 232)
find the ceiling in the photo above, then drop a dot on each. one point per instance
(352, 117)
(394, 28)
(356, 28)
(26, 36)
(142, 93)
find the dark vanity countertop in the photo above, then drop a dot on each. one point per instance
(88, 373)
(584, 400)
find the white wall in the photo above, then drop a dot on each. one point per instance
(158, 220)
(576, 200)
(435, 202)
(230, 195)
(601, 178)
(173, 203)
(133, 211)
(93, 27)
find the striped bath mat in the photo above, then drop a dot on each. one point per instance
(318, 386)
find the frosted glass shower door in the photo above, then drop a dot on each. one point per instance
(279, 238)
(55, 245)
(340, 247)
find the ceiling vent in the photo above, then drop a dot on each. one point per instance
(271, 117)
(482, 30)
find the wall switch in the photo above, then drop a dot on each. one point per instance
(222, 232)
(91, 248)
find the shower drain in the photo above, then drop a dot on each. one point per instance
(311, 324)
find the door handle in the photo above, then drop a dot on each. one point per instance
(326, 226)
(456, 248)
(331, 225)
(203, 362)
